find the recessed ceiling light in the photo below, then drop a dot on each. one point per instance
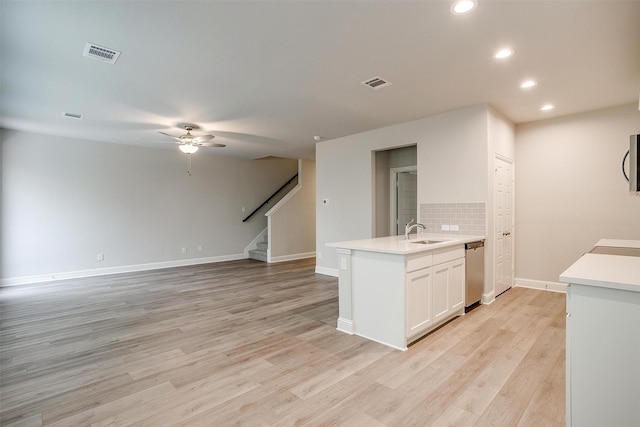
(503, 53)
(547, 107)
(463, 6)
(528, 83)
(317, 138)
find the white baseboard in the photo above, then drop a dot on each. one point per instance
(345, 325)
(26, 280)
(333, 272)
(539, 284)
(292, 257)
(488, 298)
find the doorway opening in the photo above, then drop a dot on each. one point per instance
(391, 207)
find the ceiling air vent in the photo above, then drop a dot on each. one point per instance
(73, 116)
(100, 53)
(376, 83)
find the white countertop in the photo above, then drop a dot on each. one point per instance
(606, 271)
(398, 245)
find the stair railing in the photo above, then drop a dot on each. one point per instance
(270, 197)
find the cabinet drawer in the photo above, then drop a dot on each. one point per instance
(447, 254)
(416, 262)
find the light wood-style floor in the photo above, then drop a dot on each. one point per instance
(244, 343)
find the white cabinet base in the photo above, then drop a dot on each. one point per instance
(393, 298)
(603, 357)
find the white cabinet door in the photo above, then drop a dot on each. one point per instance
(448, 289)
(418, 301)
(440, 293)
(456, 284)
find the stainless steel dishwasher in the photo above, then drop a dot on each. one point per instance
(474, 272)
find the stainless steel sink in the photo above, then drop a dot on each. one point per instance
(428, 242)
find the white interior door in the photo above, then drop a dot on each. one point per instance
(406, 199)
(503, 200)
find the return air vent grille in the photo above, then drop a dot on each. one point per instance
(376, 83)
(101, 53)
(73, 116)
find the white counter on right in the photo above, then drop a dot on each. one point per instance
(603, 338)
(605, 271)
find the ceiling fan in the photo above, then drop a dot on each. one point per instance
(189, 144)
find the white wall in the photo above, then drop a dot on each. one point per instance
(452, 157)
(452, 167)
(65, 200)
(293, 224)
(570, 191)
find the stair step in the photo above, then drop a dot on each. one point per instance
(258, 255)
(262, 246)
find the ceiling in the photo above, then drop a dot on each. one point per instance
(265, 77)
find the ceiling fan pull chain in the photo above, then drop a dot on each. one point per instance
(189, 167)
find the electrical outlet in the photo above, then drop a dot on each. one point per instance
(100, 257)
(244, 209)
(319, 255)
(343, 263)
(184, 250)
(199, 248)
(454, 228)
(445, 227)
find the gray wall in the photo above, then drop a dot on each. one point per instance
(570, 191)
(65, 200)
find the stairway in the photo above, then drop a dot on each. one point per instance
(260, 253)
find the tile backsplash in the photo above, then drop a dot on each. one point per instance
(469, 217)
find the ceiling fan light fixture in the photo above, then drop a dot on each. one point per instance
(188, 148)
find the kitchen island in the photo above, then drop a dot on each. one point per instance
(394, 291)
(603, 335)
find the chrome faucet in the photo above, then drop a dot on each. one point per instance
(411, 225)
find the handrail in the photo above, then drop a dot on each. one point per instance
(270, 197)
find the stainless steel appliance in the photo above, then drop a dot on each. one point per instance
(474, 272)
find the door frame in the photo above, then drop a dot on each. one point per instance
(393, 195)
(513, 220)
